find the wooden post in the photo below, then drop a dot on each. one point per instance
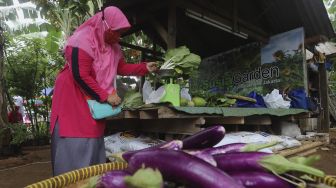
(171, 39)
(324, 116)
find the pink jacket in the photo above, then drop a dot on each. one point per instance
(69, 106)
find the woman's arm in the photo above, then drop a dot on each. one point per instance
(81, 68)
(126, 69)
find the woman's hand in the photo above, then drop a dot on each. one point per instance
(114, 99)
(151, 66)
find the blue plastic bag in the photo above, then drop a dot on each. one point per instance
(259, 104)
(299, 98)
(102, 110)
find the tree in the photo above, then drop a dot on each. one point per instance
(4, 138)
(30, 68)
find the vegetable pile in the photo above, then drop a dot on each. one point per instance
(181, 60)
(194, 162)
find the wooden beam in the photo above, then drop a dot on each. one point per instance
(304, 147)
(146, 50)
(315, 40)
(160, 29)
(172, 126)
(324, 115)
(171, 39)
(222, 16)
(258, 120)
(225, 120)
(235, 16)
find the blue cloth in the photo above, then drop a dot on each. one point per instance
(259, 104)
(299, 98)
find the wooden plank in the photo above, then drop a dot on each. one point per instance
(148, 114)
(258, 120)
(166, 112)
(308, 152)
(323, 90)
(172, 126)
(130, 114)
(225, 120)
(304, 147)
(127, 114)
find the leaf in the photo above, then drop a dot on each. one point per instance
(178, 53)
(279, 165)
(179, 71)
(132, 100)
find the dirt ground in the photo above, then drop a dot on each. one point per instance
(34, 165)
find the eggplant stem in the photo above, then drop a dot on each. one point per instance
(302, 184)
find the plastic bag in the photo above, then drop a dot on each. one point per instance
(259, 104)
(298, 98)
(146, 90)
(156, 96)
(275, 100)
(127, 141)
(289, 129)
(260, 137)
(185, 94)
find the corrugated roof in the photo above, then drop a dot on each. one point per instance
(263, 18)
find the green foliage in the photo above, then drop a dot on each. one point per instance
(18, 133)
(132, 100)
(32, 65)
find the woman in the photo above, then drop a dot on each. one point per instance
(94, 58)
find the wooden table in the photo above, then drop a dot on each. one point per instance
(165, 119)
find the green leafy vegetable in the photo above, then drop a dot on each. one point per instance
(182, 61)
(132, 100)
(145, 178)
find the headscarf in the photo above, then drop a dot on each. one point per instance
(90, 37)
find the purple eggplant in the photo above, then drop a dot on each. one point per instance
(260, 179)
(181, 167)
(172, 145)
(237, 147)
(113, 179)
(206, 157)
(241, 161)
(205, 138)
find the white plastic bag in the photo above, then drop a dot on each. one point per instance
(185, 94)
(127, 141)
(156, 96)
(284, 142)
(275, 100)
(146, 90)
